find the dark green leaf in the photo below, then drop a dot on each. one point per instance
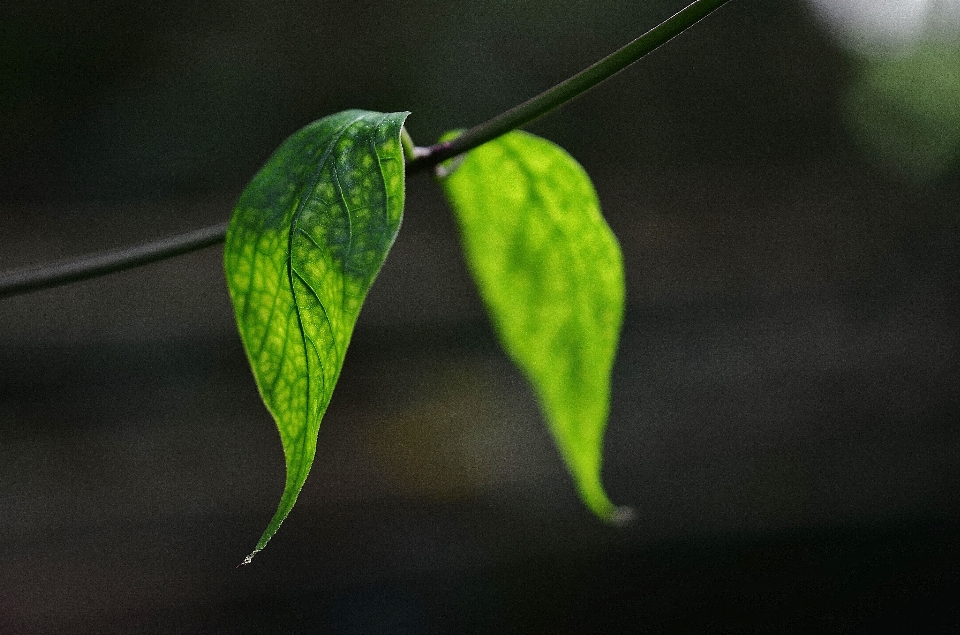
(306, 240)
(551, 274)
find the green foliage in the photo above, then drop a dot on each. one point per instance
(551, 275)
(313, 228)
(906, 110)
(305, 243)
(311, 231)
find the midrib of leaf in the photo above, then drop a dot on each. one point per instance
(318, 224)
(291, 270)
(568, 244)
(527, 260)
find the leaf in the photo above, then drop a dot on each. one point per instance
(550, 272)
(305, 243)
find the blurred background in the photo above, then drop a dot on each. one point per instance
(783, 179)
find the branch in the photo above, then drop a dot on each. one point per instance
(549, 100)
(423, 158)
(109, 261)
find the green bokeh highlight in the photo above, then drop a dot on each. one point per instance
(306, 240)
(905, 110)
(550, 272)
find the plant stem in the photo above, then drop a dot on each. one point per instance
(109, 261)
(422, 158)
(567, 90)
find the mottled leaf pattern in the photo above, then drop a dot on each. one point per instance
(551, 275)
(305, 243)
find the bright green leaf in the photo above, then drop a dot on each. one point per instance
(551, 274)
(306, 240)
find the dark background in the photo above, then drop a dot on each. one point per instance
(786, 398)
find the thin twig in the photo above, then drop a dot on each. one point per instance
(567, 90)
(423, 158)
(106, 262)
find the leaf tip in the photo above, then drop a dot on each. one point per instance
(248, 559)
(622, 516)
